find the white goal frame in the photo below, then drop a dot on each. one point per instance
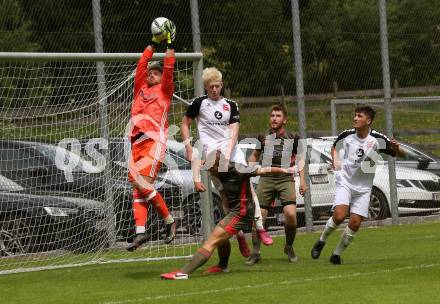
(100, 59)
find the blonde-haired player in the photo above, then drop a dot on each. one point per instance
(218, 122)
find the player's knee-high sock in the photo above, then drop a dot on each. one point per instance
(156, 199)
(290, 231)
(256, 242)
(330, 226)
(140, 211)
(258, 217)
(161, 207)
(199, 258)
(224, 251)
(347, 237)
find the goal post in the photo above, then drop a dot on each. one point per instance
(76, 210)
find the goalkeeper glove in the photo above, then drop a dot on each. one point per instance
(170, 29)
(155, 40)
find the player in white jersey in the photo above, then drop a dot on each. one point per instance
(218, 122)
(354, 157)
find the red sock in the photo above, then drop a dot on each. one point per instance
(140, 208)
(160, 205)
(156, 199)
(140, 212)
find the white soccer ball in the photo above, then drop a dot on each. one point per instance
(157, 26)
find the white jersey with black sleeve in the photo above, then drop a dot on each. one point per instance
(359, 157)
(213, 119)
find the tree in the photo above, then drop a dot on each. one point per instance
(14, 29)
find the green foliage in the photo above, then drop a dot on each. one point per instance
(251, 41)
(252, 49)
(14, 30)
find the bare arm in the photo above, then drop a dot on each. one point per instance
(336, 163)
(234, 128)
(302, 182)
(396, 148)
(273, 170)
(184, 130)
(196, 164)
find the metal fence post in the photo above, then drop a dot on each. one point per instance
(387, 107)
(103, 121)
(333, 118)
(206, 197)
(301, 109)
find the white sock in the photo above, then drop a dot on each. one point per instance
(330, 226)
(347, 237)
(140, 229)
(258, 218)
(169, 219)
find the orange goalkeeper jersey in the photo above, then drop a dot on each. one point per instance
(149, 111)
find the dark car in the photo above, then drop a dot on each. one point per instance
(31, 222)
(35, 165)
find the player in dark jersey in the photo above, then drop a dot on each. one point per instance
(279, 149)
(354, 157)
(241, 215)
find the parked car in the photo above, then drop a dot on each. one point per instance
(34, 165)
(31, 222)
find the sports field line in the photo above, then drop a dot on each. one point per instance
(268, 284)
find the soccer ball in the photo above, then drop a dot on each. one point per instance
(157, 27)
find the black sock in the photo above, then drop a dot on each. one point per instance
(290, 231)
(224, 251)
(199, 258)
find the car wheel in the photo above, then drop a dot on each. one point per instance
(15, 237)
(378, 208)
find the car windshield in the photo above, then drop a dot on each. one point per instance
(51, 151)
(6, 185)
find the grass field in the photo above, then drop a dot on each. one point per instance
(398, 264)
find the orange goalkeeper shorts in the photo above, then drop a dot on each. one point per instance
(146, 158)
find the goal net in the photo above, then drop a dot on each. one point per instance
(64, 195)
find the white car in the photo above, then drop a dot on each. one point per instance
(417, 191)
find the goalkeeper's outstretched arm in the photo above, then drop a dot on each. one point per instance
(168, 66)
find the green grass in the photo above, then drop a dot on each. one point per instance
(398, 264)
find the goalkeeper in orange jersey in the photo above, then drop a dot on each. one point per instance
(153, 91)
(235, 181)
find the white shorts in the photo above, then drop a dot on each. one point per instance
(359, 202)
